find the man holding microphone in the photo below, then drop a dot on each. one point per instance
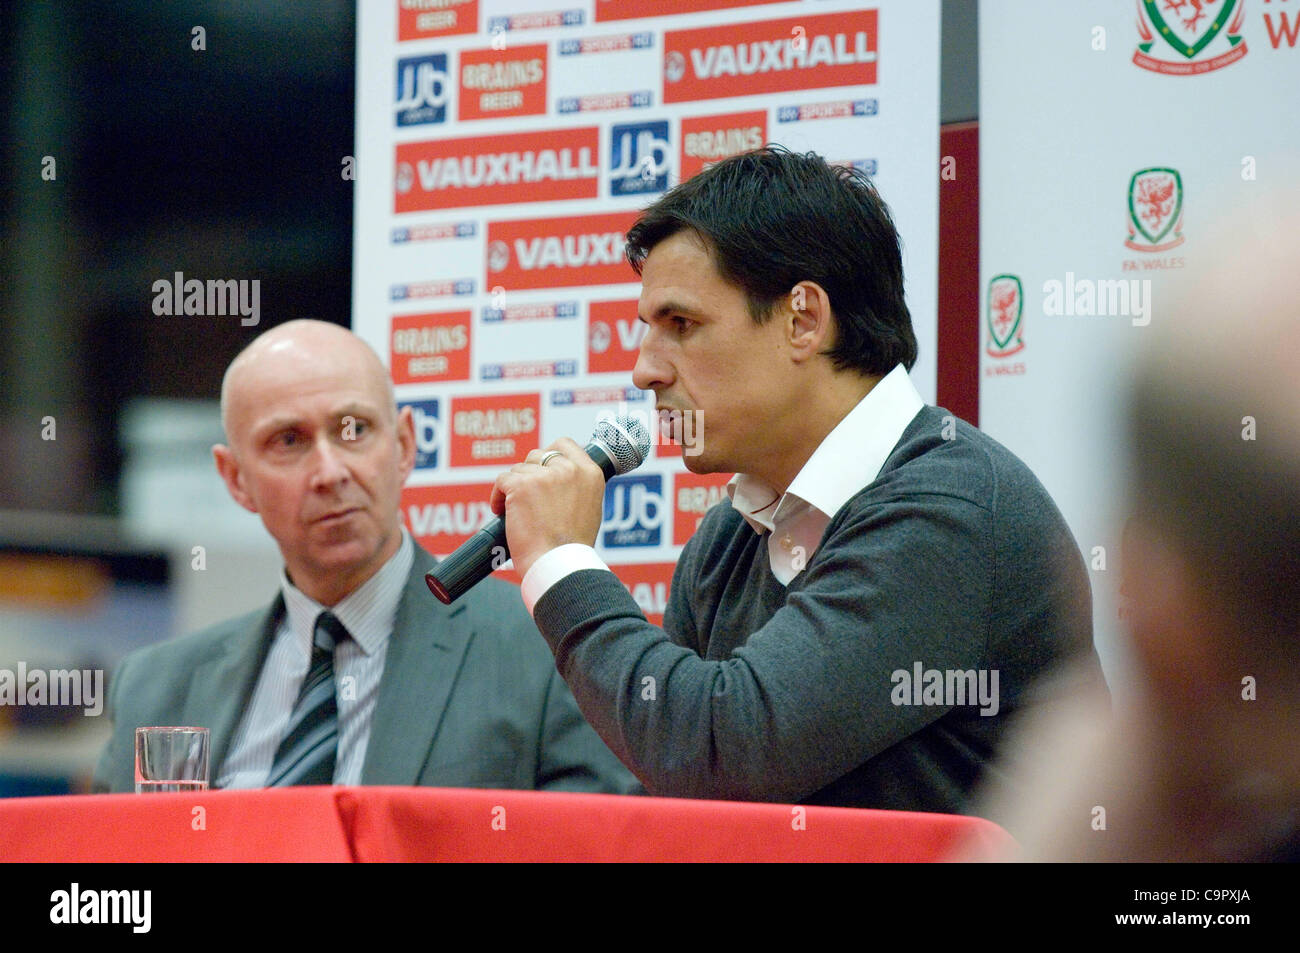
(858, 622)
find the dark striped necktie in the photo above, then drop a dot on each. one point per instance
(310, 747)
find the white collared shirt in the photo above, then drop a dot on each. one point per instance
(368, 614)
(849, 459)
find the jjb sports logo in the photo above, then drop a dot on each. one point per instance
(1155, 210)
(1189, 37)
(1005, 311)
(421, 89)
(634, 511)
(771, 56)
(428, 431)
(638, 155)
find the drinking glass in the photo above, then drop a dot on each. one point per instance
(171, 759)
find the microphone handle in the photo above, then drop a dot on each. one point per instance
(471, 563)
(476, 558)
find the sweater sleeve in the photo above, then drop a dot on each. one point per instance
(813, 693)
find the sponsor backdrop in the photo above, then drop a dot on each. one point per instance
(504, 147)
(1111, 135)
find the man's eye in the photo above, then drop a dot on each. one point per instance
(681, 324)
(287, 438)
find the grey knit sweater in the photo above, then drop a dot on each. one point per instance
(954, 559)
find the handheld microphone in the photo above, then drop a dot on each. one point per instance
(618, 445)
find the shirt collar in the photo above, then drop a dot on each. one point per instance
(849, 459)
(367, 612)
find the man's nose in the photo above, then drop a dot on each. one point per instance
(329, 467)
(652, 371)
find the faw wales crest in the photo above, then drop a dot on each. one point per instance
(1155, 210)
(1188, 37)
(1004, 313)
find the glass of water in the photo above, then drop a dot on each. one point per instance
(171, 759)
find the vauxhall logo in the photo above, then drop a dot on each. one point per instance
(634, 511)
(553, 251)
(781, 54)
(422, 89)
(630, 332)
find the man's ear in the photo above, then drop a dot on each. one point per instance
(811, 326)
(405, 443)
(232, 475)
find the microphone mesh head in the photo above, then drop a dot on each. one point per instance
(625, 438)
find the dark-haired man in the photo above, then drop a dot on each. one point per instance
(857, 623)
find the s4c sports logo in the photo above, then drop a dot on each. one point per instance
(1193, 31)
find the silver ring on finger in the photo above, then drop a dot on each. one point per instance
(546, 457)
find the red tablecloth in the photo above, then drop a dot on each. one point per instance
(400, 824)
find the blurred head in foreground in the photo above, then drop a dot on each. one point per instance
(1204, 764)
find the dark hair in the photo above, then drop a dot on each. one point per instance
(772, 218)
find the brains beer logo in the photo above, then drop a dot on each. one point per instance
(1005, 312)
(1155, 210)
(421, 19)
(494, 429)
(1192, 30)
(710, 139)
(495, 83)
(693, 495)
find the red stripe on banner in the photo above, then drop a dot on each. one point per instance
(958, 379)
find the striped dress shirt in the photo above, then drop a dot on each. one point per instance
(368, 613)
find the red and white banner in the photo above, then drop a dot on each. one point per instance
(504, 149)
(1179, 114)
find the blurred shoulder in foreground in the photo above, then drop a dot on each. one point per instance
(1201, 762)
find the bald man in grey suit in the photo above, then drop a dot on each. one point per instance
(459, 696)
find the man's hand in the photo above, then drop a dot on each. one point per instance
(548, 506)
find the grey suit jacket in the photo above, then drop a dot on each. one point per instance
(469, 697)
